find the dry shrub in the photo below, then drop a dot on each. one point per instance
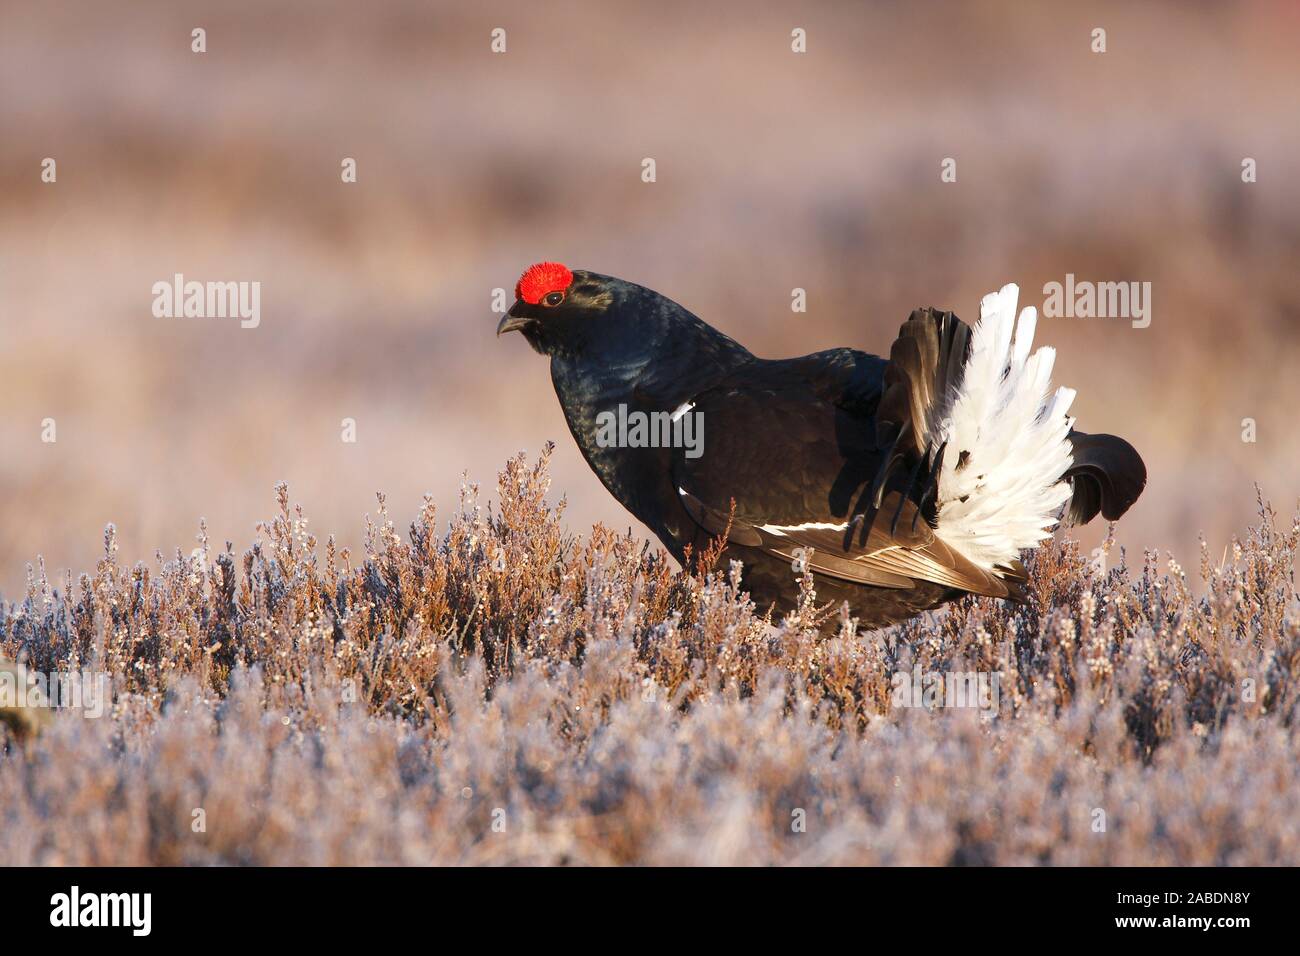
(500, 692)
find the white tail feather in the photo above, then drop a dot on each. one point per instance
(1001, 487)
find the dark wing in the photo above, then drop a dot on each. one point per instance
(794, 445)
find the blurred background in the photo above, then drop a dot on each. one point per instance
(775, 170)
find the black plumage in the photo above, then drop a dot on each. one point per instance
(830, 452)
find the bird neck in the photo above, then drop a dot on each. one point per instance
(659, 373)
(672, 357)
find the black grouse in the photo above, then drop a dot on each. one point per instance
(900, 483)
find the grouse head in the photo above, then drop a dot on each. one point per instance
(563, 311)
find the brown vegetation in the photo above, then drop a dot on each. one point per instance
(501, 692)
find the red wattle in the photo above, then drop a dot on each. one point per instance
(541, 279)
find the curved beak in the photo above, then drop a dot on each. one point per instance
(511, 323)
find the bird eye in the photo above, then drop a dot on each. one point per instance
(554, 298)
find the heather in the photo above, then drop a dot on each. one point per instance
(491, 688)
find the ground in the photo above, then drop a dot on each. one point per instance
(498, 691)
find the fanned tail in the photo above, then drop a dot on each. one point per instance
(978, 440)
